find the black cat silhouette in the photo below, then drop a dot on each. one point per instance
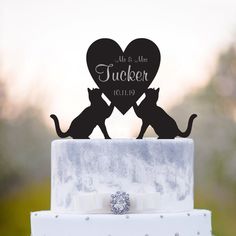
(164, 125)
(83, 125)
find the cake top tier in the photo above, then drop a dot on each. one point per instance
(154, 172)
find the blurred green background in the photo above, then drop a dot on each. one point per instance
(25, 154)
(43, 69)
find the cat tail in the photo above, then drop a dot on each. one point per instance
(57, 126)
(187, 132)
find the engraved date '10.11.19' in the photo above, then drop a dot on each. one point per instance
(124, 92)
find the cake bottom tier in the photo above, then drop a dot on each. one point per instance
(192, 223)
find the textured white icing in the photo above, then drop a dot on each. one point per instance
(192, 223)
(162, 169)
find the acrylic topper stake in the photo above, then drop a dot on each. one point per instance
(123, 76)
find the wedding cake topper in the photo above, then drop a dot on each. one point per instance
(123, 77)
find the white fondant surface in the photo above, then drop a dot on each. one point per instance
(193, 223)
(158, 174)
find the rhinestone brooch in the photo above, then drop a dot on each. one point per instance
(120, 203)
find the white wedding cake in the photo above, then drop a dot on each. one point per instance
(122, 187)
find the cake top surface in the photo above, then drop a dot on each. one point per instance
(125, 140)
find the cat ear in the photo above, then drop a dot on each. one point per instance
(158, 89)
(89, 90)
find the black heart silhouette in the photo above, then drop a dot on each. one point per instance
(123, 76)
